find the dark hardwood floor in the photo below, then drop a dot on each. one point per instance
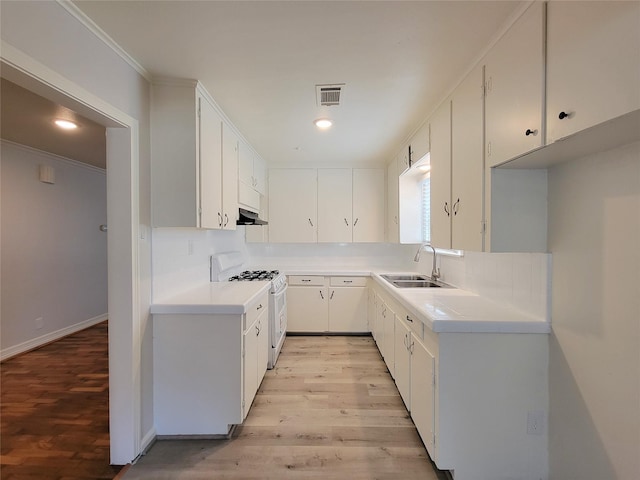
(54, 411)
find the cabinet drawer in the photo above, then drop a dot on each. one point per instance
(415, 324)
(312, 280)
(348, 281)
(255, 310)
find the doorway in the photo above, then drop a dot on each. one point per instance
(123, 233)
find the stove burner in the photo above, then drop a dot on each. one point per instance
(255, 275)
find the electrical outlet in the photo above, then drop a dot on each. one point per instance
(39, 323)
(535, 422)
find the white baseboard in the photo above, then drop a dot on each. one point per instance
(148, 440)
(9, 352)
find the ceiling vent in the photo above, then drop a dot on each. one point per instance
(329, 95)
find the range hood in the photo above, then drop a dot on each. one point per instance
(247, 217)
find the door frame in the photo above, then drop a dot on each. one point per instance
(123, 233)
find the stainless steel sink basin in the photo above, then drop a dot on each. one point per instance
(413, 281)
(393, 277)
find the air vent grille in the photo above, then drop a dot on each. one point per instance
(329, 95)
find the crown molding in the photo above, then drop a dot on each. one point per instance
(79, 15)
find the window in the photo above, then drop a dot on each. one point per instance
(425, 210)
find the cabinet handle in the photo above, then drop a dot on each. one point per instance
(347, 281)
(409, 319)
(356, 222)
(259, 307)
(257, 330)
(345, 222)
(306, 279)
(332, 292)
(226, 220)
(321, 295)
(310, 222)
(531, 132)
(456, 206)
(219, 219)
(446, 208)
(405, 342)
(411, 347)
(563, 115)
(395, 219)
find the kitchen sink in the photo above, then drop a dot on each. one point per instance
(413, 281)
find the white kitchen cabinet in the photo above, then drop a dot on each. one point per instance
(514, 74)
(293, 209)
(419, 144)
(403, 159)
(186, 152)
(402, 370)
(251, 178)
(441, 176)
(255, 353)
(207, 369)
(422, 392)
(467, 164)
(393, 203)
(327, 304)
(388, 337)
(593, 65)
(368, 205)
(229, 178)
(335, 205)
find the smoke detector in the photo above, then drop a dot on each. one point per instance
(329, 95)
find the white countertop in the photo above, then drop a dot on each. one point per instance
(213, 298)
(453, 310)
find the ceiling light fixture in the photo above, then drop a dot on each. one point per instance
(323, 123)
(66, 124)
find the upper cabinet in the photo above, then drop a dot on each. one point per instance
(293, 207)
(368, 205)
(593, 64)
(252, 178)
(393, 206)
(187, 157)
(326, 205)
(441, 176)
(514, 83)
(419, 144)
(467, 164)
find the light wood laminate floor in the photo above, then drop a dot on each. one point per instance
(329, 410)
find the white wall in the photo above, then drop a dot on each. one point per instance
(594, 371)
(54, 257)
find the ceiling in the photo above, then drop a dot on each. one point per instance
(27, 119)
(261, 61)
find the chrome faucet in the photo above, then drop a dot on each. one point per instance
(435, 272)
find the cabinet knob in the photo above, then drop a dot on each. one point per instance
(531, 132)
(563, 115)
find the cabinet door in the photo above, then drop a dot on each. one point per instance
(423, 393)
(245, 164)
(389, 340)
(260, 175)
(348, 309)
(515, 85)
(378, 328)
(250, 370)
(210, 141)
(334, 205)
(467, 164)
(307, 309)
(229, 178)
(263, 346)
(293, 205)
(393, 205)
(402, 369)
(441, 176)
(593, 65)
(368, 205)
(419, 145)
(403, 159)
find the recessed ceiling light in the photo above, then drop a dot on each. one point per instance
(323, 123)
(66, 124)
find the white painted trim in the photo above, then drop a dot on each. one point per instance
(53, 156)
(9, 352)
(148, 439)
(82, 17)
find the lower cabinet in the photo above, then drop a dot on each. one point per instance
(469, 394)
(317, 304)
(207, 369)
